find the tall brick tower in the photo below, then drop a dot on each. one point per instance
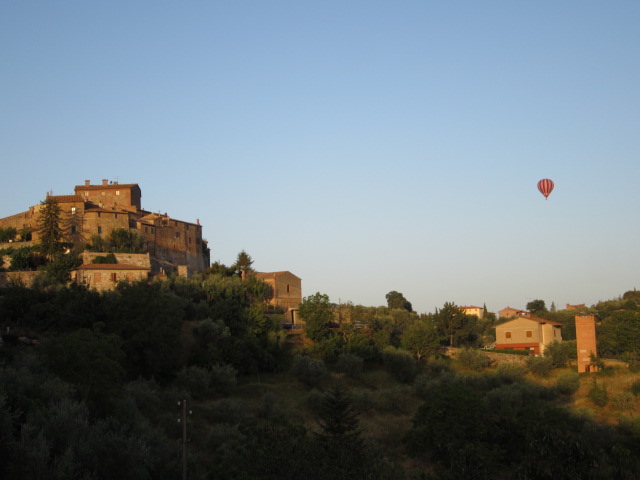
(586, 341)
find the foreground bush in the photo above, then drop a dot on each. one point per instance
(399, 363)
(511, 371)
(473, 359)
(350, 365)
(309, 371)
(598, 394)
(568, 383)
(540, 366)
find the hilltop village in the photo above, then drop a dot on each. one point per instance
(171, 246)
(97, 210)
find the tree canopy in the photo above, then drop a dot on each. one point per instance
(536, 307)
(397, 300)
(243, 263)
(50, 228)
(453, 324)
(315, 311)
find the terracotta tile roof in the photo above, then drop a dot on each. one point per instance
(272, 274)
(534, 319)
(110, 266)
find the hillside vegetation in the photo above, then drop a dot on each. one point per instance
(92, 385)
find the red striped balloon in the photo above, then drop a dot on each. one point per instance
(546, 187)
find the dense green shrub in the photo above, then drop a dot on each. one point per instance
(307, 370)
(422, 385)
(598, 394)
(540, 366)
(26, 258)
(195, 380)
(7, 234)
(362, 399)
(435, 367)
(623, 401)
(473, 359)
(109, 258)
(268, 405)
(399, 363)
(561, 352)
(511, 371)
(225, 410)
(350, 365)
(635, 387)
(223, 378)
(327, 349)
(396, 399)
(315, 399)
(568, 383)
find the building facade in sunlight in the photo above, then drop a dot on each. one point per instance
(531, 334)
(173, 246)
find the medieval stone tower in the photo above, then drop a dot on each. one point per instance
(586, 341)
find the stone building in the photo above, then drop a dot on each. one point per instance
(510, 312)
(472, 310)
(103, 277)
(172, 244)
(287, 292)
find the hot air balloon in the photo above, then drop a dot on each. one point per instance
(546, 187)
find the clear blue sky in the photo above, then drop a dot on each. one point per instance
(366, 146)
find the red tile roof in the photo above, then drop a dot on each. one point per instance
(535, 319)
(272, 274)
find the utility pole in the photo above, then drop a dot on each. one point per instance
(183, 420)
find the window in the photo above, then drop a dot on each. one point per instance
(288, 288)
(529, 333)
(99, 214)
(117, 192)
(507, 334)
(102, 193)
(113, 277)
(73, 230)
(99, 229)
(177, 234)
(73, 210)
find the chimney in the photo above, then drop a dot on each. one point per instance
(87, 183)
(105, 181)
